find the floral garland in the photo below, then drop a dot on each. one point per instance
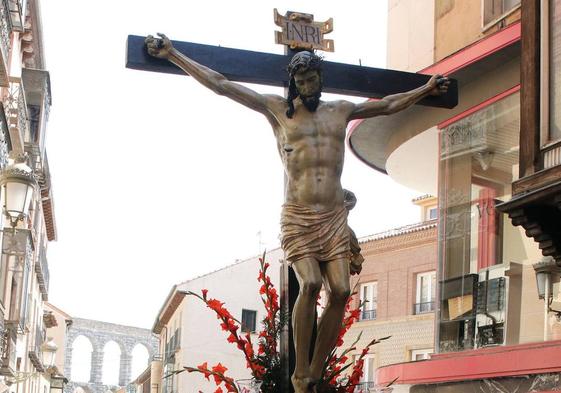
(265, 365)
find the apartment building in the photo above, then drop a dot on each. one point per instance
(494, 331)
(27, 222)
(190, 334)
(396, 294)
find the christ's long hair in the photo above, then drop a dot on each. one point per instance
(301, 60)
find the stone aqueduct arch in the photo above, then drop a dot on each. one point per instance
(100, 333)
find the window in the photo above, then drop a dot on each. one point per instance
(431, 213)
(494, 9)
(421, 354)
(478, 161)
(368, 300)
(248, 320)
(426, 290)
(368, 379)
(168, 381)
(551, 72)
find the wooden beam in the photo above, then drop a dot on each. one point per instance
(270, 69)
(530, 159)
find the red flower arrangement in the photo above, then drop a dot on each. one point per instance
(265, 365)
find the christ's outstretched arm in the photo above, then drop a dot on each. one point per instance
(396, 102)
(162, 48)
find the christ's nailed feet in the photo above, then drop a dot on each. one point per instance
(303, 385)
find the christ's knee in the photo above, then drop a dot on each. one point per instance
(339, 294)
(310, 288)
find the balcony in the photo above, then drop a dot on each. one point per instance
(15, 109)
(423, 308)
(42, 270)
(14, 13)
(367, 315)
(8, 355)
(5, 44)
(35, 350)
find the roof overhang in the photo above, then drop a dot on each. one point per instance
(483, 70)
(171, 304)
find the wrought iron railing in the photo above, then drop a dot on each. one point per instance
(43, 275)
(15, 108)
(5, 43)
(35, 350)
(424, 307)
(366, 315)
(8, 355)
(15, 14)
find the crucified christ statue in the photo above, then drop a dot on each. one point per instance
(315, 237)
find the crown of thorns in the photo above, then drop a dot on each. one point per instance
(303, 59)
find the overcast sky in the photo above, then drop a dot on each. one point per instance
(156, 180)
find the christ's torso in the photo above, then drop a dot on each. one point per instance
(312, 147)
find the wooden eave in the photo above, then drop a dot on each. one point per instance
(171, 304)
(48, 213)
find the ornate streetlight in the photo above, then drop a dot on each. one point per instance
(547, 272)
(17, 187)
(49, 349)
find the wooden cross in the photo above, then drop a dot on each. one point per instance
(270, 69)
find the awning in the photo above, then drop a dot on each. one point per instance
(483, 70)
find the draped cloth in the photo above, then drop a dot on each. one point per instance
(323, 235)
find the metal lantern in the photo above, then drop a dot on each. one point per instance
(17, 185)
(546, 272)
(49, 349)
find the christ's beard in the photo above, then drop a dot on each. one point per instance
(311, 103)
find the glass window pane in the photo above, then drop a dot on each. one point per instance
(555, 70)
(510, 4)
(492, 9)
(478, 163)
(249, 318)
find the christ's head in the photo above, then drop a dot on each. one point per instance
(304, 71)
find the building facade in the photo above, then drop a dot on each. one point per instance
(57, 323)
(494, 331)
(24, 273)
(190, 334)
(396, 295)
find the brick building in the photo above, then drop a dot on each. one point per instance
(494, 331)
(397, 291)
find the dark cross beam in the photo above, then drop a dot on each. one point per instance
(270, 69)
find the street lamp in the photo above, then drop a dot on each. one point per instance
(547, 272)
(49, 349)
(17, 185)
